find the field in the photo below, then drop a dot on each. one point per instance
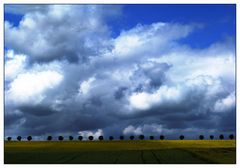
(122, 152)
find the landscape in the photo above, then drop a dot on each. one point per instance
(120, 84)
(122, 152)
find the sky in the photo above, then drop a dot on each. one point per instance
(119, 70)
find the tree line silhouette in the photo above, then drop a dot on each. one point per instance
(132, 137)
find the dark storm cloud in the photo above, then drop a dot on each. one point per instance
(120, 92)
(157, 74)
(11, 119)
(64, 124)
(80, 80)
(227, 122)
(38, 110)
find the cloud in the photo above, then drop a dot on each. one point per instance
(131, 130)
(95, 134)
(14, 65)
(71, 32)
(29, 87)
(23, 9)
(145, 129)
(225, 104)
(144, 101)
(74, 77)
(148, 39)
(86, 86)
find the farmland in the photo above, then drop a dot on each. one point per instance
(122, 152)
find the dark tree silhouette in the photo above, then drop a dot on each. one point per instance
(151, 137)
(80, 138)
(181, 137)
(70, 138)
(29, 138)
(201, 137)
(211, 137)
(231, 136)
(141, 137)
(221, 136)
(121, 137)
(162, 137)
(100, 138)
(9, 138)
(19, 138)
(90, 138)
(111, 138)
(49, 138)
(131, 137)
(60, 138)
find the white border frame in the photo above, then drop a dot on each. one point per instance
(114, 2)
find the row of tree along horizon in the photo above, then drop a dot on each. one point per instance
(100, 138)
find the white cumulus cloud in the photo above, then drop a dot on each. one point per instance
(15, 64)
(95, 134)
(164, 95)
(29, 87)
(146, 129)
(85, 86)
(225, 104)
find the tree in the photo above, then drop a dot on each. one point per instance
(141, 137)
(181, 137)
(60, 138)
(211, 137)
(80, 138)
(9, 138)
(121, 137)
(111, 138)
(131, 137)
(231, 136)
(221, 136)
(201, 137)
(151, 137)
(29, 138)
(19, 138)
(90, 138)
(70, 138)
(100, 138)
(49, 138)
(162, 137)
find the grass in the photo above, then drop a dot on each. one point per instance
(147, 151)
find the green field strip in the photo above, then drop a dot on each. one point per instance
(117, 158)
(123, 152)
(117, 145)
(130, 157)
(216, 155)
(141, 155)
(194, 154)
(149, 157)
(95, 157)
(70, 158)
(32, 157)
(155, 157)
(177, 156)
